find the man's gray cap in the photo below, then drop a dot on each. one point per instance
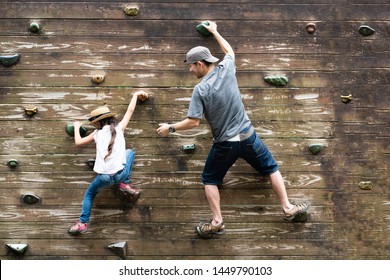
(198, 54)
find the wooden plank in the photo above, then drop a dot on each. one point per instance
(271, 129)
(189, 11)
(130, 61)
(143, 145)
(134, 62)
(155, 78)
(91, 46)
(112, 198)
(105, 95)
(311, 113)
(132, 28)
(149, 231)
(157, 249)
(142, 213)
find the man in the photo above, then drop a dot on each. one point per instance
(218, 98)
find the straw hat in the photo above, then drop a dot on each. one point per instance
(99, 114)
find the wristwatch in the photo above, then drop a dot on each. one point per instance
(171, 129)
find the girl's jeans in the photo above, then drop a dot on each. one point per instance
(102, 181)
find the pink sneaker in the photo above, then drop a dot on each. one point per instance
(128, 189)
(78, 228)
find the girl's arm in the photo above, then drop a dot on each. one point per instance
(130, 109)
(78, 140)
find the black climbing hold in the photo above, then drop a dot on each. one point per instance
(366, 30)
(30, 198)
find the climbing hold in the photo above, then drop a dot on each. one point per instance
(30, 198)
(19, 249)
(315, 148)
(34, 27)
(365, 30)
(311, 28)
(9, 59)
(91, 162)
(366, 185)
(13, 163)
(202, 30)
(31, 110)
(346, 98)
(276, 80)
(70, 130)
(188, 147)
(119, 249)
(131, 10)
(301, 217)
(98, 79)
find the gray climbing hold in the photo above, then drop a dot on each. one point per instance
(119, 249)
(19, 249)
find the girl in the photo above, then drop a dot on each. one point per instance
(113, 162)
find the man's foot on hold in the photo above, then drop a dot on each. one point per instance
(208, 230)
(78, 228)
(128, 189)
(296, 210)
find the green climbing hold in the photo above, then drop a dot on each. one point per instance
(202, 30)
(13, 163)
(34, 27)
(9, 59)
(276, 80)
(70, 130)
(315, 148)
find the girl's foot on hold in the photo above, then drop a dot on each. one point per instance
(129, 189)
(78, 228)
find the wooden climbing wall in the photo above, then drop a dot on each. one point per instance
(80, 39)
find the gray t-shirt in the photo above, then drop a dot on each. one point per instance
(218, 98)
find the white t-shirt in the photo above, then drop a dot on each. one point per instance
(115, 161)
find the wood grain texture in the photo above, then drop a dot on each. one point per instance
(81, 38)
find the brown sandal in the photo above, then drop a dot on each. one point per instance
(207, 230)
(296, 210)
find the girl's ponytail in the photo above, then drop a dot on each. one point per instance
(113, 135)
(112, 123)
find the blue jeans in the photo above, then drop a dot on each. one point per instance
(224, 154)
(102, 181)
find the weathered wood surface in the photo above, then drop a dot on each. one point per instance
(146, 52)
